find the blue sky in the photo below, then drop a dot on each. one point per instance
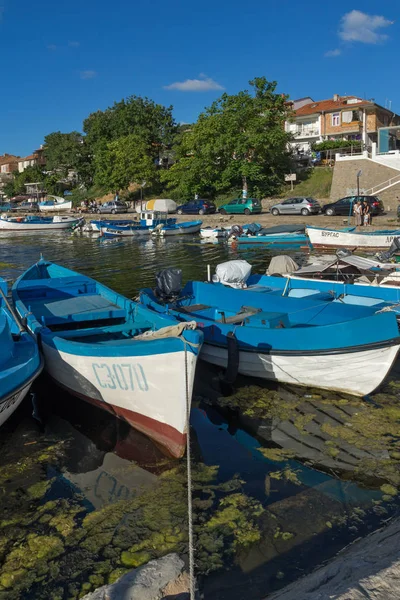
(62, 61)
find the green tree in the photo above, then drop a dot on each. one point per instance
(240, 139)
(29, 175)
(124, 161)
(142, 117)
(62, 151)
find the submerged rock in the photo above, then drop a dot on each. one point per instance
(148, 582)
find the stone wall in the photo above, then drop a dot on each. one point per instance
(344, 177)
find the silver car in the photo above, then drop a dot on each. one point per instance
(112, 207)
(300, 205)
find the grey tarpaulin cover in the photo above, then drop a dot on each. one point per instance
(280, 265)
(234, 273)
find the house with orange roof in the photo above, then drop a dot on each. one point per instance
(37, 158)
(340, 117)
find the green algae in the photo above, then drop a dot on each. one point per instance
(389, 490)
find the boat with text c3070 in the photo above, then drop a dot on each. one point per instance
(37, 223)
(111, 351)
(310, 342)
(20, 360)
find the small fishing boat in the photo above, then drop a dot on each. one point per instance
(36, 223)
(149, 220)
(290, 235)
(214, 232)
(308, 342)
(177, 228)
(20, 360)
(98, 225)
(54, 204)
(371, 240)
(111, 351)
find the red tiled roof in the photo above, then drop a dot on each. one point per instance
(330, 105)
(9, 158)
(30, 157)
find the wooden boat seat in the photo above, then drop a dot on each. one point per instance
(34, 288)
(192, 308)
(88, 307)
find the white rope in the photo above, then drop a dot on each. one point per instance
(192, 581)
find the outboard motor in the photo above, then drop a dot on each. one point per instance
(236, 231)
(394, 249)
(169, 284)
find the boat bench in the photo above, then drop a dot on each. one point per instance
(42, 288)
(75, 309)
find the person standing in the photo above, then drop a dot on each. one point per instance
(358, 211)
(366, 213)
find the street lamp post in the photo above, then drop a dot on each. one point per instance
(358, 181)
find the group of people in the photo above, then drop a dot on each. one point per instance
(362, 213)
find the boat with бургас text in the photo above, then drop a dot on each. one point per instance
(371, 240)
(20, 361)
(111, 351)
(37, 223)
(309, 342)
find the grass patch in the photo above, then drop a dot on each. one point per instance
(317, 184)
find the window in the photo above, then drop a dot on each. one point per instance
(335, 119)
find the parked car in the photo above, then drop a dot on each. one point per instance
(27, 206)
(300, 205)
(112, 207)
(197, 207)
(241, 206)
(344, 206)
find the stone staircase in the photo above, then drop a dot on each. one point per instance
(381, 187)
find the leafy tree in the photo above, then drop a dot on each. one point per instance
(29, 175)
(124, 161)
(240, 139)
(142, 117)
(62, 151)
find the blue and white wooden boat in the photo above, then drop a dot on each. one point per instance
(310, 342)
(272, 236)
(55, 204)
(178, 228)
(111, 351)
(370, 240)
(214, 233)
(149, 221)
(97, 225)
(37, 223)
(20, 360)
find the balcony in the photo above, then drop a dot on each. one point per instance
(306, 133)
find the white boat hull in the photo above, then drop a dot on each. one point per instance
(126, 232)
(61, 223)
(11, 403)
(56, 207)
(177, 231)
(213, 233)
(328, 238)
(356, 373)
(148, 392)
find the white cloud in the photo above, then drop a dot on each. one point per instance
(74, 44)
(205, 84)
(357, 26)
(332, 53)
(88, 74)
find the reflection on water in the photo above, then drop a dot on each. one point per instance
(283, 478)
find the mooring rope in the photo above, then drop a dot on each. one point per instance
(192, 582)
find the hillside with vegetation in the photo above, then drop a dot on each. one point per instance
(317, 184)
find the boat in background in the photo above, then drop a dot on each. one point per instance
(332, 238)
(111, 351)
(279, 235)
(54, 204)
(305, 341)
(20, 360)
(36, 223)
(148, 221)
(214, 232)
(177, 228)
